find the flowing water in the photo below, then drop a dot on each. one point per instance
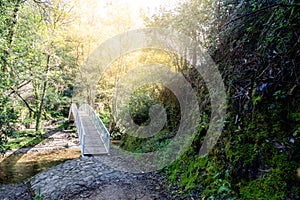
(16, 168)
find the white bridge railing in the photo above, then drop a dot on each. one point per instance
(79, 126)
(101, 129)
(97, 122)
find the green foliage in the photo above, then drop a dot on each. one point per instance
(115, 133)
(191, 173)
(264, 188)
(146, 97)
(201, 174)
(7, 113)
(105, 117)
(139, 108)
(273, 185)
(187, 173)
(23, 139)
(39, 195)
(35, 70)
(219, 187)
(7, 117)
(63, 126)
(141, 145)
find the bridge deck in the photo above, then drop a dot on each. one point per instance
(93, 143)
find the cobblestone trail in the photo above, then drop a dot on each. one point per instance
(90, 178)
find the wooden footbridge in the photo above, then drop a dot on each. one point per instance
(93, 135)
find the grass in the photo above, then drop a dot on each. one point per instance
(23, 139)
(39, 196)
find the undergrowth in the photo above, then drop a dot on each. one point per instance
(23, 139)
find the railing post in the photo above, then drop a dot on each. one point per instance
(79, 127)
(83, 139)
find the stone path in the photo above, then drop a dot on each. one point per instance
(15, 192)
(90, 178)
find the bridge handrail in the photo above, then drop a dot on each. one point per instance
(101, 129)
(79, 126)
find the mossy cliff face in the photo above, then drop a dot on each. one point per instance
(258, 154)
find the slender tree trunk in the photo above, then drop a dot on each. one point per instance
(42, 97)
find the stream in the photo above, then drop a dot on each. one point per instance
(16, 168)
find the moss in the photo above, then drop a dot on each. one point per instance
(252, 160)
(264, 188)
(274, 184)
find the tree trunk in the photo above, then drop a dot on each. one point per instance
(42, 97)
(11, 28)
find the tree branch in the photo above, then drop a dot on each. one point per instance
(25, 102)
(261, 10)
(20, 86)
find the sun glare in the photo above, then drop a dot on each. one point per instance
(106, 10)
